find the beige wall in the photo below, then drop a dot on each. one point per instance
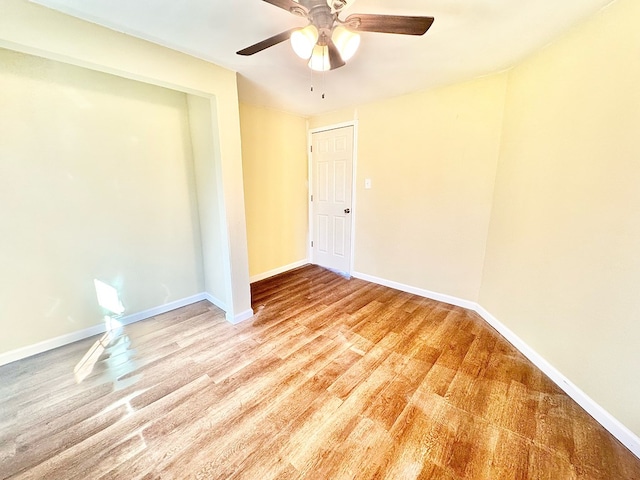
(208, 183)
(32, 29)
(431, 157)
(563, 264)
(96, 182)
(275, 174)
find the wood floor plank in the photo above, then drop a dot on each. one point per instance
(331, 379)
(284, 410)
(84, 455)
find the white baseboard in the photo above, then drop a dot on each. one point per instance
(30, 350)
(279, 270)
(440, 297)
(241, 317)
(167, 307)
(216, 301)
(231, 318)
(608, 421)
(35, 349)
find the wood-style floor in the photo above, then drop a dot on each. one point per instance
(332, 379)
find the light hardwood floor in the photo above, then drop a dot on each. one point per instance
(332, 379)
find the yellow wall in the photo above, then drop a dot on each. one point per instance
(431, 157)
(563, 264)
(97, 182)
(333, 118)
(274, 162)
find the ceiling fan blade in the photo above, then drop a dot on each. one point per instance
(269, 42)
(400, 24)
(288, 5)
(335, 59)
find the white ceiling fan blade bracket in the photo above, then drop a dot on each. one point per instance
(299, 11)
(352, 23)
(337, 5)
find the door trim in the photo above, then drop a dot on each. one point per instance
(354, 170)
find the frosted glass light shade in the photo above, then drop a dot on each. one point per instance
(319, 59)
(346, 42)
(304, 40)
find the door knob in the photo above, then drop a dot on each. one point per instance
(347, 210)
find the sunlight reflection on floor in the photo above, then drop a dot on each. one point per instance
(85, 366)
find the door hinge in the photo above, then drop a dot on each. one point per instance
(312, 198)
(311, 148)
(311, 243)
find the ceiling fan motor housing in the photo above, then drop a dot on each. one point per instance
(320, 15)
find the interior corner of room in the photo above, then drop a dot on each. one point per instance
(513, 194)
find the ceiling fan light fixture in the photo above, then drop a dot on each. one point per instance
(328, 42)
(319, 60)
(346, 42)
(304, 40)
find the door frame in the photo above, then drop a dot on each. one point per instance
(354, 170)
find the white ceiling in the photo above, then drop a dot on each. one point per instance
(469, 38)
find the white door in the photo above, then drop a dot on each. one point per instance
(332, 161)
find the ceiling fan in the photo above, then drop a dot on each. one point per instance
(327, 42)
